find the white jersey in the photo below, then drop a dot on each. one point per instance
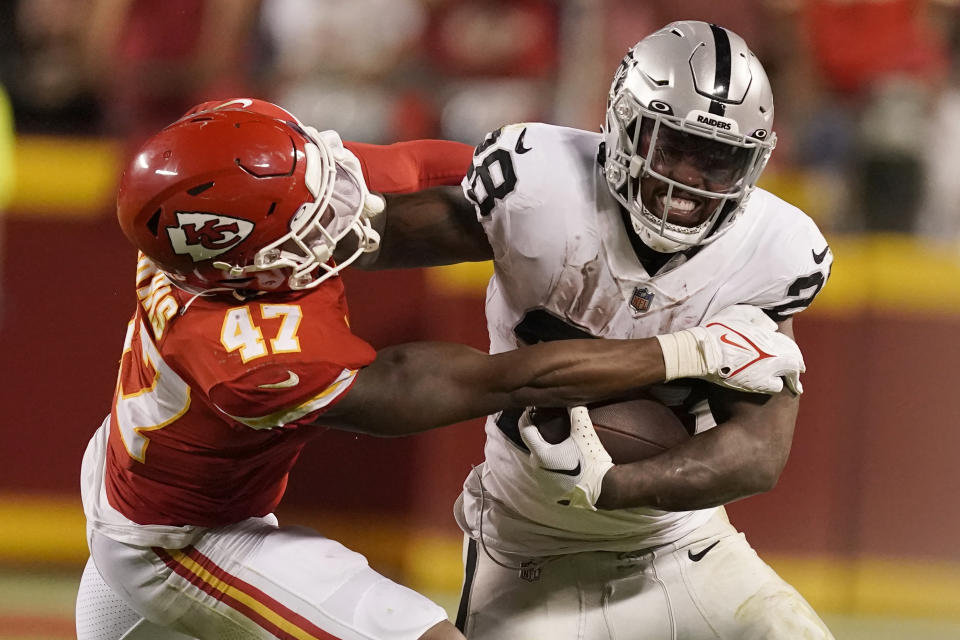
(565, 268)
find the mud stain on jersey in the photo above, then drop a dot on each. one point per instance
(585, 297)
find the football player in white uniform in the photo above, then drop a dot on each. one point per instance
(651, 226)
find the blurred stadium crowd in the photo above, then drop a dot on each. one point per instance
(867, 91)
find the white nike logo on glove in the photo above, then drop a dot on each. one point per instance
(291, 381)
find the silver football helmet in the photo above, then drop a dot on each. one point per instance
(688, 132)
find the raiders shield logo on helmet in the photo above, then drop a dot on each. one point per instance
(206, 235)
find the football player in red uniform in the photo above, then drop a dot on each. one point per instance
(240, 347)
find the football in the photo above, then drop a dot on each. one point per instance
(630, 430)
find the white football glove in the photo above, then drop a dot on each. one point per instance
(570, 472)
(739, 348)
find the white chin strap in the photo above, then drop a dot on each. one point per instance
(654, 240)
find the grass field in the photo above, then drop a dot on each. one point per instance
(38, 605)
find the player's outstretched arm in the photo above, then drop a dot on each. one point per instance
(742, 456)
(419, 386)
(427, 229)
(427, 221)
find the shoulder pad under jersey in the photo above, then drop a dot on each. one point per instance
(793, 255)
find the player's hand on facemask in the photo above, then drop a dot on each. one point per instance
(373, 203)
(739, 348)
(569, 472)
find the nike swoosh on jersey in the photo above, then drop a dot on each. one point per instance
(520, 148)
(291, 381)
(567, 472)
(697, 557)
(818, 257)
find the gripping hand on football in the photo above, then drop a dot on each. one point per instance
(570, 472)
(739, 348)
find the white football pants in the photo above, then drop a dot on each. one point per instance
(710, 584)
(252, 580)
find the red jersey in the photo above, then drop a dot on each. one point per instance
(215, 396)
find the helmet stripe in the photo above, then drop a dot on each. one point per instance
(724, 63)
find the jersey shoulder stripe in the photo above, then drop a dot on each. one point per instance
(290, 415)
(294, 413)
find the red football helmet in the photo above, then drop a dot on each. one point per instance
(232, 197)
(247, 104)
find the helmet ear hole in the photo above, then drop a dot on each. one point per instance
(153, 224)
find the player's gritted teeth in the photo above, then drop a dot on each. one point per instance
(682, 209)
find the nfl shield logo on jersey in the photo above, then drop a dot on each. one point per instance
(641, 299)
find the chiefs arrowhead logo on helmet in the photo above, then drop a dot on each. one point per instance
(206, 235)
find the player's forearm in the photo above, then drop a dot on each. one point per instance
(694, 475)
(421, 386)
(743, 456)
(575, 372)
(427, 229)
(432, 223)
(557, 374)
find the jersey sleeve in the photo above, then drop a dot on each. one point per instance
(270, 362)
(276, 395)
(405, 167)
(516, 185)
(798, 266)
(492, 176)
